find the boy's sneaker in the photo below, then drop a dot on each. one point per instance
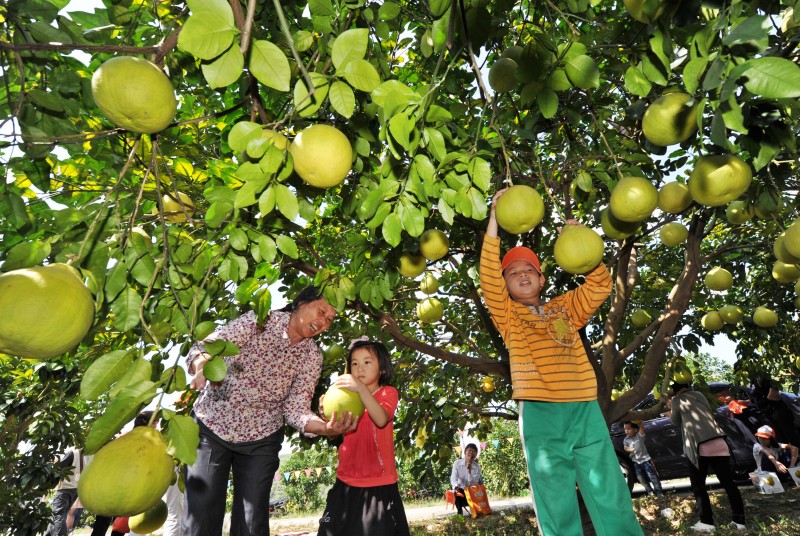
(702, 527)
(737, 526)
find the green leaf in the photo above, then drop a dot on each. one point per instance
(26, 254)
(246, 195)
(243, 133)
(183, 437)
(287, 201)
(400, 127)
(636, 82)
(221, 348)
(772, 78)
(481, 172)
(225, 70)
(548, 102)
(732, 115)
(360, 74)
(103, 372)
(446, 211)
(238, 239)
(349, 46)
(118, 413)
(388, 11)
(139, 370)
(204, 329)
(693, 73)
(126, 309)
(478, 201)
(176, 378)
(287, 246)
(583, 72)
(411, 217)
(269, 65)
(218, 9)
(205, 36)
(321, 8)
(266, 202)
(308, 105)
(391, 229)
(752, 35)
(342, 99)
(394, 91)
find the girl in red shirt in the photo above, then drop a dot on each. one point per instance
(365, 499)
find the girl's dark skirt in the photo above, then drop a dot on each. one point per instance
(352, 511)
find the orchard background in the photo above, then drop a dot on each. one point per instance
(408, 83)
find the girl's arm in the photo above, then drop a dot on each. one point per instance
(376, 412)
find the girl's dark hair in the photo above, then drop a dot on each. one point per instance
(142, 419)
(381, 353)
(632, 424)
(307, 295)
(471, 446)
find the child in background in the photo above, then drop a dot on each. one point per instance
(365, 499)
(642, 463)
(772, 456)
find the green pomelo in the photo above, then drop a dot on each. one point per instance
(502, 75)
(791, 239)
(670, 119)
(44, 311)
(616, 229)
(430, 310)
(322, 155)
(712, 321)
(150, 520)
(718, 279)
(429, 284)
(519, 209)
(127, 476)
(578, 249)
(674, 197)
(785, 273)
(633, 199)
(673, 233)
(780, 251)
(341, 400)
(739, 212)
(641, 318)
(764, 317)
(134, 94)
(433, 244)
(717, 180)
(411, 265)
(731, 314)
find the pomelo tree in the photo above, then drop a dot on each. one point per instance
(407, 83)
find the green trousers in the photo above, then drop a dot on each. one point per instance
(567, 443)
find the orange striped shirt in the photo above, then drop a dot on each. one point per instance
(548, 360)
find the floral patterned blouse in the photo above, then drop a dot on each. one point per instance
(268, 380)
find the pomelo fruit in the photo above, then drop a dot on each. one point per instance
(411, 265)
(673, 233)
(173, 211)
(791, 239)
(781, 252)
(215, 369)
(731, 314)
(670, 119)
(127, 476)
(764, 317)
(674, 197)
(785, 273)
(739, 212)
(341, 400)
(513, 52)
(712, 321)
(502, 75)
(645, 11)
(719, 279)
(322, 155)
(487, 384)
(641, 318)
(334, 352)
(616, 229)
(430, 310)
(134, 94)
(433, 244)
(44, 311)
(429, 284)
(718, 179)
(519, 209)
(633, 199)
(681, 372)
(578, 249)
(150, 520)
(768, 205)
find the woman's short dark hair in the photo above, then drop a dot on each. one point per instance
(142, 419)
(381, 353)
(472, 446)
(307, 295)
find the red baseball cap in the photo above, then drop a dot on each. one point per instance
(521, 253)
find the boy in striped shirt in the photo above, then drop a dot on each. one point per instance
(564, 434)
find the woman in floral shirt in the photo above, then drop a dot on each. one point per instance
(241, 418)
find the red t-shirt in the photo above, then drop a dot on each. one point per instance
(366, 457)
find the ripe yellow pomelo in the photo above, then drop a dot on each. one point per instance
(633, 199)
(712, 321)
(683, 373)
(429, 284)
(719, 279)
(768, 205)
(617, 229)
(718, 179)
(641, 318)
(578, 249)
(785, 273)
(502, 75)
(673, 233)
(781, 252)
(215, 369)
(645, 11)
(430, 310)
(487, 384)
(150, 520)
(411, 265)
(674, 197)
(173, 211)
(275, 138)
(134, 94)
(44, 311)
(433, 244)
(341, 400)
(670, 119)
(128, 475)
(764, 317)
(739, 212)
(791, 239)
(519, 209)
(731, 314)
(322, 155)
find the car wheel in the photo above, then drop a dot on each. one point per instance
(627, 472)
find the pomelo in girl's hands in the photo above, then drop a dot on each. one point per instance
(578, 249)
(519, 209)
(44, 311)
(134, 94)
(150, 520)
(341, 400)
(127, 476)
(322, 155)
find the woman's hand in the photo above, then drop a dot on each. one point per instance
(341, 424)
(199, 380)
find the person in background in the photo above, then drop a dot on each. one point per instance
(772, 456)
(705, 448)
(66, 492)
(642, 463)
(466, 472)
(365, 499)
(241, 419)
